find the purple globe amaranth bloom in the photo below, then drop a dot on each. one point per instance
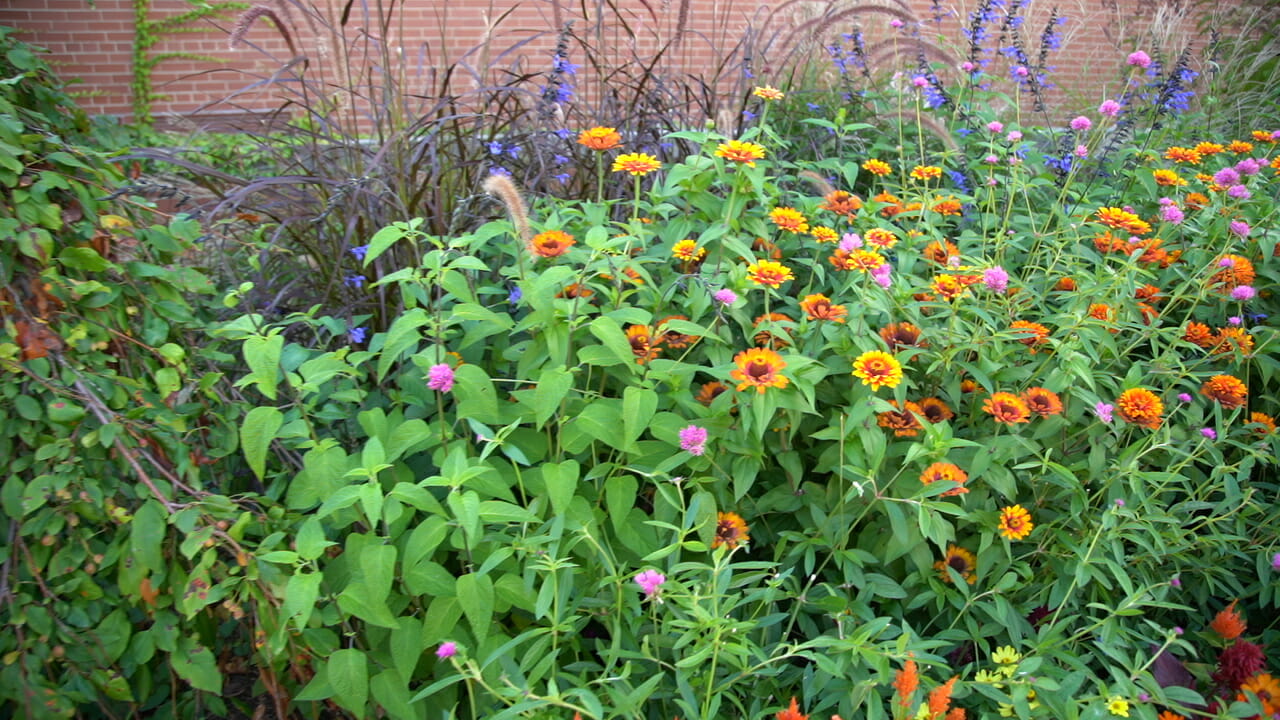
(1226, 176)
(920, 81)
(1239, 192)
(1275, 561)
(850, 242)
(996, 279)
(1082, 151)
(650, 581)
(995, 127)
(1081, 123)
(1139, 59)
(725, 296)
(1014, 136)
(1235, 320)
(1110, 108)
(1104, 411)
(1184, 397)
(447, 650)
(1171, 214)
(693, 440)
(1209, 433)
(1248, 166)
(440, 377)
(882, 275)
(1243, 293)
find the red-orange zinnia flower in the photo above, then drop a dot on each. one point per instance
(552, 243)
(759, 368)
(1007, 408)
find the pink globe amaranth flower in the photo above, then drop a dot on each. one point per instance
(1103, 411)
(1235, 320)
(1184, 397)
(850, 242)
(650, 581)
(995, 127)
(920, 81)
(1226, 262)
(882, 275)
(725, 296)
(1110, 108)
(1081, 123)
(991, 160)
(1171, 214)
(1240, 228)
(1082, 151)
(895, 23)
(1021, 71)
(440, 377)
(693, 440)
(968, 67)
(447, 650)
(1239, 192)
(1275, 562)
(1014, 136)
(1209, 433)
(1226, 176)
(1139, 59)
(1243, 293)
(996, 279)
(1248, 166)
(1119, 502)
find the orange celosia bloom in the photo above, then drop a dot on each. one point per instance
(926, 172)
(949, 206)
(1228, 623)
(1033, 335)
(673, 338)
(824, 234)
(940, 698)
(877, 167)
(741, 152)
(1168, 178)
(792, 712)
(1182, 155)
(935, 410)
(903, 334)
(1123, 220)
(878, 369)
(880, 238)
(841, 203)
(1227, 390)
(1233, 271)
(766, 92)
(946, 472)
(1232, 340)
(759, 368)
(789, 219)
(709, 392)
(1268, 423)
(1015, 522)
(1007, 408)
(1140, 407)
(1199, 334)
(642, 345)
(731, 531)
(552, 243)
(903, 422)
(1042, 402)
(819, 307)
(768, 272)
(949, 287)
(941, 252)
(1240, 147)
(957, 713)
(600, 138)
(905, 681)
(637, 164)
(768, 337)
(1207, 149)
(960, 560)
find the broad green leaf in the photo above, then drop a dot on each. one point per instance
(638, 406)
(311, 540)
(366, 593)
(561, 480)
(146, 538)
(475, 592)
(262, 354)
(256, 433)
(83, 258)
(300, 595)
(348, 674)
(194, 663)
(406, 646)
(401, 336)
(552, 388)
(392, 692)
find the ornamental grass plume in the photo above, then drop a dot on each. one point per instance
(504, 188)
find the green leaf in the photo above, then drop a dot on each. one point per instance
(366, 593)
(262, 354)
(146, 540)
(348, 675)
(638, 406)
(300, 595)
(475, 592)
(113, 635)
(83, 258)
(401, 336)
(256, 433)
(561, 480)
(465, 506)
(392, 692)
(552, 388)
(406, 646)
(385, 238)
(311, 541)
(476, 395)
(612, 336)
(194, 663)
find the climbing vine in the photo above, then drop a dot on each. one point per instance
(148, 32)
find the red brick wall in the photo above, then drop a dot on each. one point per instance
(93, 44)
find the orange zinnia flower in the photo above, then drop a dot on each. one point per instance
(946, 472)
(1140, 407)
(1123, 220)
(1065, 284)
(768, 272)
(766, 92)
(841, 203)
(709, 392)
(1228, 623)
(949, 287)
(824, 234)
(600, 138)
(949, 206)
(1033, 335)
(903, 334)
(789, 219)
(957, 713)
(552, 243)
(1232, 340)
(642, 345)
(1199, 334)
(960, 560)
(1227, 390)
(768, 337)
(935, 410)
(731, 531)
(1015, 522)
(926, 172)
(741, 152)
(878, 369)
(1168, 178)
(688, 251)
(880, 238)
(1042, 402)
(860, 260)
(792, 712)
(1197, 201)
(1209, 148)
(575, 290)
(636, 163)
(1007, 408)
(1267, 423)
(759, 368)
(1182, 155)
(819, 307)
(941, 251)
(903, 422)
(1240, 147)
(674, 338)
(1234, 271)
(877, 167)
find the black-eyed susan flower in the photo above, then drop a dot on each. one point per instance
(1015, 522)
(768, 272)
(551, 243)
(1226, 390)
(741, 152)
(1006, 408)
(960, 560)
(731, 531)
(637, 164)
(935, 410)
(600, 139)
(878, 369)
(759, 368)
(789, 219)
(1140, 406)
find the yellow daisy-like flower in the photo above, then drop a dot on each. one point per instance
(877, 167)
(1168, 178)
(1209, 148)
(878, 369)
(760, 368)
(600, 139)
(824, 234)
(1015, 522)
(1240, 147)
(688, 251)
(926, 172)
(1006, 655)
(636, 163)
(1123, 220)
(789, 219)
(741, 152)
(880, 238)
(768, 93)
(768, 272)
(987, 676)
(1118, 706)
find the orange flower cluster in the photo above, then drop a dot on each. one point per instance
(789, 219)
(860, 260)
(767, 337)
(552, 243)
(1141, 407)
(759, 368)
(900, 335)
(1007, 408)
(904, 421)
(960, 560)
(946, 472)
(731, 531)
(1033, 335)
(841, 203)
(1233, 271)
(600, 139)
(1119, 219)
(1182, 155)
(819, 307)
(1226, 390)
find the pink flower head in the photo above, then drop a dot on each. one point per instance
(1171, 214)
(726, 297)
(1209, 433)
(1021, 71)
(447, 650)
(1184, 397)
(693, 440)
(650, 581)
(881, 275)
(1243, 293)
(895, 23)
(996, 279)
(1239, 192)
(1235, 320)
(968, 66)
(1110, 108)
(1139, 59)
(995, 126)
(1081, 123)
(440, 377)
(1082, 151)
(1275, 562)
(1240, 228)
(920, 81)
(991, 159)
(850, 242)
(1227, 262)
(1226, 176)
(1248, 166)
(1014, 136)
(1103, 411)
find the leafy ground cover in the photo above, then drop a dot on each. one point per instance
(964, 413)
